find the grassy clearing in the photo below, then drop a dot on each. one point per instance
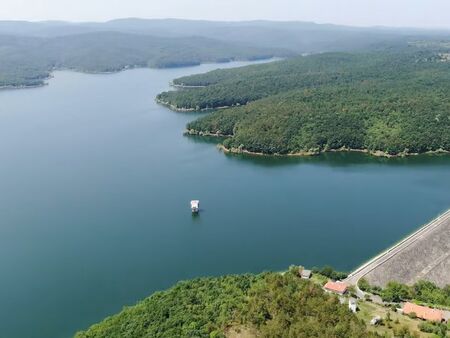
(369, 310)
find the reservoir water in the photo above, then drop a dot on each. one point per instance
(95, 184)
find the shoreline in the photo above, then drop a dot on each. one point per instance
(10, 87)
(183, 86)
(208, 134)
(184, 110)
(81, 71)
(130, 67)
(173, 107)
(376, 153)
(38, 85)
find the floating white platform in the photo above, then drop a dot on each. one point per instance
(195, 205)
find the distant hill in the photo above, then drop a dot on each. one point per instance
(30, 50)
(301, 37)
(27, 61)
(42, 28)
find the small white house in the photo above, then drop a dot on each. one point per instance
(305, 274)
(352, 305)
(195, 205)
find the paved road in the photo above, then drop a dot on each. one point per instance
(363, 270)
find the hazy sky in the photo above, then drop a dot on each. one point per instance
(417, 13)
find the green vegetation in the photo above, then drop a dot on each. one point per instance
(439, 329)
(196, 308)
(395, 292)
(275, 305)
(27, 61)
(422, 292)
(30, 50)
(425, 292)
(266, 305)
(395, 102)
(364, 285)
(393, 324)
(329, 272)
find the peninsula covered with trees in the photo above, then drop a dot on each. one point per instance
(386, 102)
(272, 304)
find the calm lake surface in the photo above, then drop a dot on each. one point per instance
(95, 184)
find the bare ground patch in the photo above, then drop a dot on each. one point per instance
(241, 332)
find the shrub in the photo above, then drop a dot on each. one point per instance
(364, 285)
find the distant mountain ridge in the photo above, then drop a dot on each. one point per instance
(296, 36)
(181, 27)
(26, 61)
(30, 50)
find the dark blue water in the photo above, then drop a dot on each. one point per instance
(95, 184)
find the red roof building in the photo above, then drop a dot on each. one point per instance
(423, 312)
(336, 287)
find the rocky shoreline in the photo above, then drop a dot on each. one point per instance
(181, 109)
(9, 87)
(376, 153)
(183, 86)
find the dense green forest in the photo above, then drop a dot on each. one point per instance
(264, 305)
(392, 101)
(272, 304)
(27, 61)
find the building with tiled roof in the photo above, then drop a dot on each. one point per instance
(336, 287)
(423, 312)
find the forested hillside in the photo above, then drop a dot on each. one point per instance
(296, 36)
(271, 304)
(388, 102)
(27, 61)
(30, 50)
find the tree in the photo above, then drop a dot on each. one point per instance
(395, 292)
(364, 285)
(388, 317)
